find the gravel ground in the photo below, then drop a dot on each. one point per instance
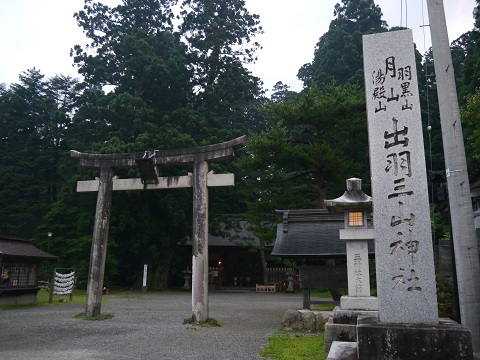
(146, 326)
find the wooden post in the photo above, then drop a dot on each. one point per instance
(200, 242)
(73, 286)
(306, 298)
(99, 243)
(52, 285)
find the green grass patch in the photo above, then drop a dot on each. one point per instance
(323, 307)
(285, 345)
(321, 293)
(130, 295)
(211, 322)
(103, 316)
(79, 297)
(324, 293)
(11, 307)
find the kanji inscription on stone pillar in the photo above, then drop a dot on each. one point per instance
(401, 214)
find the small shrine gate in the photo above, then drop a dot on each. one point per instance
(148, 163)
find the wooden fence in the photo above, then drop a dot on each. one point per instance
(279, 278)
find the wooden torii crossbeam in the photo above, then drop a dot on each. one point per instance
(148, 162)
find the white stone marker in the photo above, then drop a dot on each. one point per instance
(144, 283)
(358, 278)
(401, 215)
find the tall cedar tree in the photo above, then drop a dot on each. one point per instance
(312, 143)
(338, 54)
(319, 136)
(155, 103)
(219, 36)
(468, 49)
(465, 55)
(34, 118)
(469, 52)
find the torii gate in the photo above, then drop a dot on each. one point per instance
(148, 162)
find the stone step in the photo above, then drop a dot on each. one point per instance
(341, 350)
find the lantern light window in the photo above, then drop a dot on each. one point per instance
(355, 218)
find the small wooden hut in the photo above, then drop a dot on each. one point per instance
(20, 266)
(311, 236)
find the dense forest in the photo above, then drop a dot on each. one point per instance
(178, 78)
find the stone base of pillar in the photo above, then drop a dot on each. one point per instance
(445, 341)
(338, 333)
(144, 289)
(345, 316)
(342, 326)
(369, 303)
(343, 351)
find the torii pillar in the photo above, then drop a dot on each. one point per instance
(98, 253)
(200, 242)
(148, 162)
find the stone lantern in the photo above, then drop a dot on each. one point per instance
(355, 205)
(186, 277)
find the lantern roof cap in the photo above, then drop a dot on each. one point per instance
(353, 198)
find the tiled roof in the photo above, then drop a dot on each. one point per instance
(18, 247)
(311, 233)
(232, 237)
(239, 237)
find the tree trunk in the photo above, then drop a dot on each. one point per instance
(264, 262)
(322, 189)
(159, 280)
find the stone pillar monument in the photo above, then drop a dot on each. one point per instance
(403, 239)
(409, 327)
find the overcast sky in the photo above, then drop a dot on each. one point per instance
(40, 33)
